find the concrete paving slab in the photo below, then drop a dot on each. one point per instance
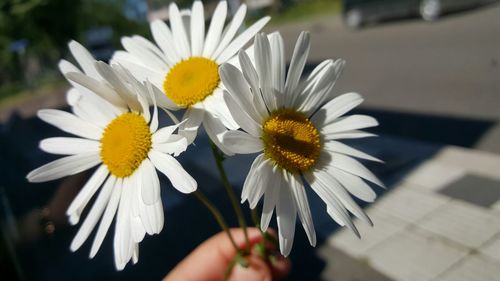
(463, 223)
(496, 208)
(415, 255)
(474, 161)
(408, 203)
(385, 226)
(492, 248)
(473, 268)
(434, 175)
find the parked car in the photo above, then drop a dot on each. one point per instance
(359, 12)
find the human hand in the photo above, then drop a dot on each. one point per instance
(210, 260)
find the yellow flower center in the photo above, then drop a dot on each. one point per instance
(291, 140)
(191, 81)
(125, 143)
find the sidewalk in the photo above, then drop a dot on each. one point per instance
(440, 223)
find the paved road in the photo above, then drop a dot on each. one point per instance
(447, 68)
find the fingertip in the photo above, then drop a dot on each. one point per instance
(281, 268)
(256, 271)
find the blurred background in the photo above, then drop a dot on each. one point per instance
(429, 71)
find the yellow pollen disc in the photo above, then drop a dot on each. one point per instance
(125, 143)
(291, 140)
(191, 81)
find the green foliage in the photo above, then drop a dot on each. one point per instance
(48, 25)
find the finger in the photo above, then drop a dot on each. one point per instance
(281, 268)
(209, 261)
(257, 270)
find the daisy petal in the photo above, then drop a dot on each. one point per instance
(262, 53)
(299, 58)
(316, 92)
(239, 90)
(265, 177)
(336, 108)
(344, 197)
(334, 206)
(84, 59)
(179, 32)
(353, 134)
(171, 168)
(215, 131)
(215, 30)
(164, 39)
(230, 30)
(94, 109)
(94, 214)
(73, 96)
(242, 117)
(100, 89)
(139, 50)
(352, 166)
(163, 134)
(348, 123)
(152, 217)
(355, 185)
(335, 146)
(154, 119)
(150, 187)
(145, 108)
(87, 191)
(270, 198)
(197, 28)
(241, 40)
(175, 145)
(135, 255)
(147, 45)
(137, 228)
(136, 224)
(335, 215)
(278, 63)
(194, 117)
(300, 197)
(118, 84)
(318, 87)
(242, 143)
(216, 106)
(65, 166)
(286, 215)
(252, 78)
(251, 178)
(70, 123)
(140, 211)
(66, 67)
(69, 146)
(107, 218)
(122, 242)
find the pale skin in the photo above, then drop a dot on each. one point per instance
(209, 261)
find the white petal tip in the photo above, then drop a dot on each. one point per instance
(74, 246)
(74, 219)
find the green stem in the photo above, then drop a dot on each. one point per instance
(255, 218)
(229, 190)
(218, 216)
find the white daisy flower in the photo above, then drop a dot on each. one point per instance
(118, 134)
(184, 64)
(297, 126)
